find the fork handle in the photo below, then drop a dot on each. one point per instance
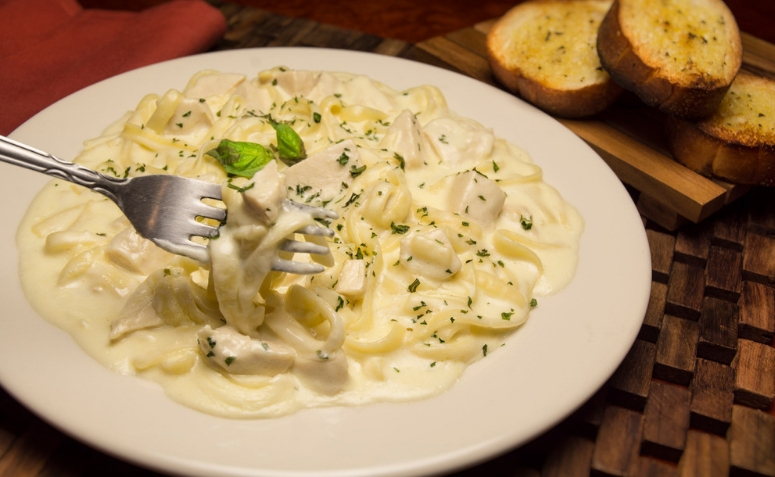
(22, 155)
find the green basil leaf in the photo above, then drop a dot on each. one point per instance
(290, 147)
(241, 158)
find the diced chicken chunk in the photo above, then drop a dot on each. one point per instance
(134, 253)
(266, 198)
(256, 99)
(146, 318)
(326, 175)
(404, 138)
(296, 81)
(312, 85)
(352, 279)
(363, 91)
(475, 196)
(191, 117)
(430, 254)
(213, 85)
(459, 141)
(229, 349)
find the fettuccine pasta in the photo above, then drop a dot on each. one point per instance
(447, 237)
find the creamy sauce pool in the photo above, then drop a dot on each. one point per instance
(447, 237)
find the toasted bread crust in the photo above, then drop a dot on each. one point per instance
(736, 143)
(713, 157)
(576, 103)
(572, 100)
(689, 96)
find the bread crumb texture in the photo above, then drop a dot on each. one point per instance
(746, 115)
(555, 43)
(686, 39)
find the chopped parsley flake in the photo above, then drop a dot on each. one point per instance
(399, 229)
(401, 161)
(356, 171)
(354, 197)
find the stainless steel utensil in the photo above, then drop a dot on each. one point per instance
(166, 209)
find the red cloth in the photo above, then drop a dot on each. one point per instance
(51, 48)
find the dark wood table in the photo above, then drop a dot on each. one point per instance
(694, 397)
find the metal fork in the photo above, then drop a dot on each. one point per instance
(165, 208)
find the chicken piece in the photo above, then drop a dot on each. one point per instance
(266, 198)
(236, 353)
(352, 279)
(191, 118)
(404, 137)
(213, 85)
(132, 252)
(459, 141)
(430, 254)
(476, 197)
(324, 176)
(314, 86)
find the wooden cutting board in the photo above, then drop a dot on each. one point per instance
(629, 136)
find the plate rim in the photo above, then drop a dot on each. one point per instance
(455, 458)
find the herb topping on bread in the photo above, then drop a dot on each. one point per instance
(546, 52)
(678, 55)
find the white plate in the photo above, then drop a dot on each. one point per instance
(569, 347)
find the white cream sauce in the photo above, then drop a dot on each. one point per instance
(447, 236)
